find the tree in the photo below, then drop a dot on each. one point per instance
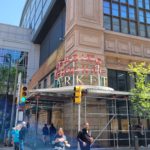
(5, 78)
(140, 94)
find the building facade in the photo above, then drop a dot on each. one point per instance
(89, 42)
(16, 49)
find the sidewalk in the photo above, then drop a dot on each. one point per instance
(11, 148)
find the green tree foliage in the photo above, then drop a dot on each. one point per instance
(6, 75)
(140, 95)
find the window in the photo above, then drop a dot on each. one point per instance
(131, 2)
(132, 13)
(142, 30)
(115, 9)
(141, 16)
(107, 7)
(45, 83)
(107, 22)
(124, 26)
(148, 31)
(148, 17)
(123, 1)
(116, 25)
(132, 28)
(123, 11)
(147, 4)
(118, 80)
(140, 3)
(127, 16)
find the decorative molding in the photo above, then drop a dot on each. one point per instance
(110, 44)
(70, 41)
(90, 38)
(147, 51)
(123, 46)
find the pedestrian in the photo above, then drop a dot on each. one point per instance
(15, 136)
(22, 134)
(52, 132)
(45, 133)
(60, 141)
(84, 138)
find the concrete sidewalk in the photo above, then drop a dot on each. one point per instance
(11, 148)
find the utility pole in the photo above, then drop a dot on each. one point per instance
(13, 103)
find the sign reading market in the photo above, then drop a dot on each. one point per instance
(80, 69)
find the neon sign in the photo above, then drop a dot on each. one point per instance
(80, 69)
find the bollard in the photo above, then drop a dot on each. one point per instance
(136, 141)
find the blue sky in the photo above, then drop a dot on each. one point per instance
(10, 11)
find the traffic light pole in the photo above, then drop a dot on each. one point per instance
(18, 97)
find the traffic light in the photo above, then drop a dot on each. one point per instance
(23, 94)
(77, 94)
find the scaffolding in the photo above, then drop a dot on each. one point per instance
(112, 121)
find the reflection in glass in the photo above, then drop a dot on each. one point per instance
(115, 9)
(107, 23)
(132, 28)
(123, 11)
(116, 24)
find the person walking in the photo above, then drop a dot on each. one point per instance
(60, 141)
(84, 138)
(52, 132)
(15, 136)
(45, 134)
(22, 134)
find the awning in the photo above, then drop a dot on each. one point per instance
(48, 96)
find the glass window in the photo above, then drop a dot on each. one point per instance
(116, 25)
(121, 78)
(140, 3)
(147, 4)
(115, 9)
(46, 5)
(123, 1)
(112, 80)
(106, 7)
(132, 13)
(131, 2)
(123, 11)
(142, 30)
(124, 26)
(132, 28)
(37, 3)
(107, 22)
(45, 83)
(141, 16)
(148, 31)
(148, 17)
(118, 80)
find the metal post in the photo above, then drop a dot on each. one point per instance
(13, 103)
(18, 98)
(136, 143)
(36, 125)
(79, 121)
(128, 117)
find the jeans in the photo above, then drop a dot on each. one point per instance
(21, 145)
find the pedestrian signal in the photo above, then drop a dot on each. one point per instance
(23, 94)
(77, 94)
